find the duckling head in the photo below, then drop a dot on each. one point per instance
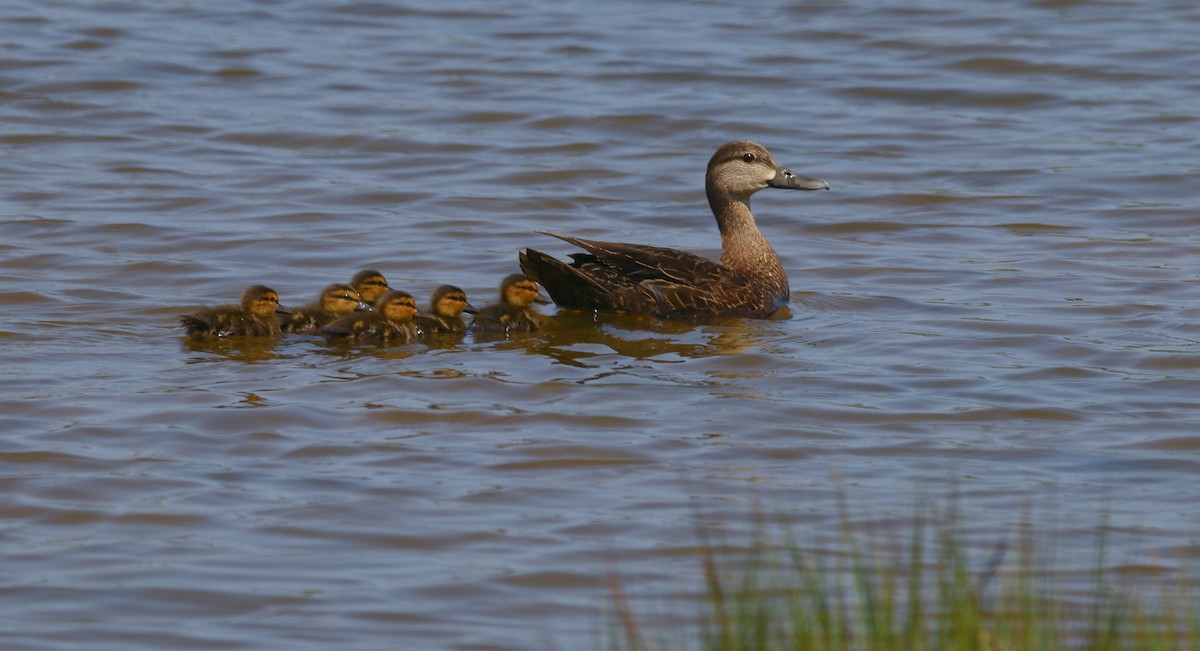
(396, 306)
(261, 302)
(742, 167)
(340, 298)
(518, 290)
(370, 285)
(450, 302)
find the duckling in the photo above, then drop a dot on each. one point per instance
(370, 285)
(514, 312)
(748, 281)
(391, 322)
(256, 316)
(335, 300)
(445, 312)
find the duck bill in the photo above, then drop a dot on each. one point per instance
(283, 310)
(471, 309)
(786, 179)
(363, 307)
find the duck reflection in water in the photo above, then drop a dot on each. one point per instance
(575, 338)
(258, 315)
(335, 301)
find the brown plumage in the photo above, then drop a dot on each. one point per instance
(256, 316)
(514, 312)
(370, 285)
(390, 322)
(335, 300)
(445, 312)
(748, 281)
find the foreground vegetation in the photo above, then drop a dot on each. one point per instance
(922, 594)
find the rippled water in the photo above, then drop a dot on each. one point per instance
(996, 298)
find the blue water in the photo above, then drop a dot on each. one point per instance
(995, 300)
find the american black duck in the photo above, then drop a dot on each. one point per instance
(748, 281)
(445, 312)
(515, 312)
(334, 301)
(256, 316)
(390, 322)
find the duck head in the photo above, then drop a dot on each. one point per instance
(450, 302)
(742, 167)
(370, 285)
(518, 290)
(262, 302)
(396, 306)
(340, 299)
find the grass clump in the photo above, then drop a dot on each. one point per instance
(921, 594)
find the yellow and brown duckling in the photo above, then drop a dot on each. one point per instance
(515, 312)
(391, 322)
(256, 316)
(445, 312)
(335, 301)
(370, 285)
(749, 279)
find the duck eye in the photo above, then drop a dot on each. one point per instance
(748, 157)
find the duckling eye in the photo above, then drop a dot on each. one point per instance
(347, 297)
(748, 157)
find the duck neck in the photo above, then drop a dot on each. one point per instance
(743, 247)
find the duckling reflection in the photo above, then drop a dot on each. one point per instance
(515, 312)
(445, 312)
(335, 301)
(391, 322)
(256, 316)
(370, 285)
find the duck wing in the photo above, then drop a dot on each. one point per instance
(620, 277)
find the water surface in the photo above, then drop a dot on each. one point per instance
(995, 299)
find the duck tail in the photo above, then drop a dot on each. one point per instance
(569, 287)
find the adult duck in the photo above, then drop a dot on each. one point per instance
(445, 312)
(748, 281)
(515, 312)
(256, 316)
(336, 300)
(390, 322)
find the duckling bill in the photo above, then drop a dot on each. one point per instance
(258, 315)
(748, 281)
